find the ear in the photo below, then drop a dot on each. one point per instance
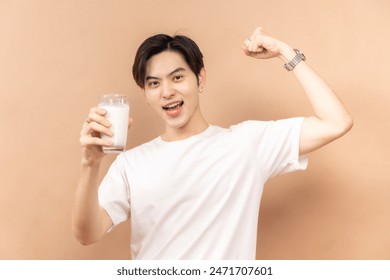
(202, 78)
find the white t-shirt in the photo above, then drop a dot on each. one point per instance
(199, 198)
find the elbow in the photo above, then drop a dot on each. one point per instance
(84, 240)
(348, 124)
(83, 237)
(343, 126)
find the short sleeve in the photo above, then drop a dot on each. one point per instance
(276, 145)
(114, 192)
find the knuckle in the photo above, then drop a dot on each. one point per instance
(83, 141)
(96, 141)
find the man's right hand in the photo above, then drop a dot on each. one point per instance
(91, 143)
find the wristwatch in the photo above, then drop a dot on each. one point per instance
(294, 62)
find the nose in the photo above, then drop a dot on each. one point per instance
(168, 91)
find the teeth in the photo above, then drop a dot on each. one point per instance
(173, 105)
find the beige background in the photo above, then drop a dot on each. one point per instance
(57, 57)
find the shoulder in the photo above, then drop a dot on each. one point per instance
(264, 125)
(137, 151)
(250, 127)
(257, 130)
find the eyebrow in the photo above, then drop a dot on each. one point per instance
(179, 69)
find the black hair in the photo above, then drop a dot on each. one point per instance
(162, 42)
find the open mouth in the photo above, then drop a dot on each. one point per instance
(173, 106)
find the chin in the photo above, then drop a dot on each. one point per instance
(176, 123)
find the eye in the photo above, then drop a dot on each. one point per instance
(153, 84)
(178, 78)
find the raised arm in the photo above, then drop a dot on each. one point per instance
(90, 222)
(331, 120)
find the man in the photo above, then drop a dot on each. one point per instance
(194, 192)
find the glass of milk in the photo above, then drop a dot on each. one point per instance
(117, 108)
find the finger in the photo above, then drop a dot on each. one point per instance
(94, 129)
(256, 45)
(98, 110)
(247, 42)
(97, 127)
(86, 141)
(98, 117)
(254, 33)
(245, 49)
(95, 111)
(251, 41)
(84, 128)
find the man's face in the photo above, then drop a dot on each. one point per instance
(172, 89)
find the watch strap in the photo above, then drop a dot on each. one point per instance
(294, 62)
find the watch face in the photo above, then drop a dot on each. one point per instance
(298, 52)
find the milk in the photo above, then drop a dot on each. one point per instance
(118, 115)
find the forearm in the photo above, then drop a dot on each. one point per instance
(86, 217)
(326, 105)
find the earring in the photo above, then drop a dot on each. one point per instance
(201, 90)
